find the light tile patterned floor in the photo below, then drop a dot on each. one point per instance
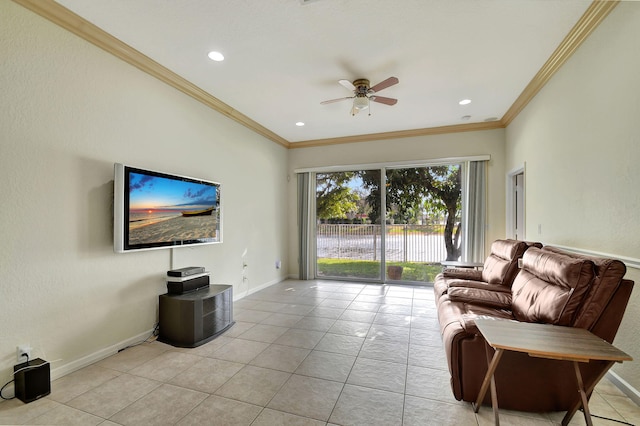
(301, 353)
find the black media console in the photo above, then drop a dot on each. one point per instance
(192, 319)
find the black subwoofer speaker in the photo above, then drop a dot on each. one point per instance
(187, 285)
(32, 380)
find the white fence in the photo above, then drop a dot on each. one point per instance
(403, 243)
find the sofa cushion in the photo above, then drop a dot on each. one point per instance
(608, 276)
(501, 266)
(463, 274)
(479, 285)
(550, 287)
(481, 296)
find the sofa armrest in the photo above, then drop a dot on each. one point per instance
(463, 274)
(480, 285)
(482, 297)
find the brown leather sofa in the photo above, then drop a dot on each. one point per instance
(499, 270)
(554, 287)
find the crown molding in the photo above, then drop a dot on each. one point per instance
(68, 20)
(58, 14)
(589, 21)
(429, 131)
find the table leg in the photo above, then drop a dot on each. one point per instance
(490, 380)
(494, 401)
(583, 394)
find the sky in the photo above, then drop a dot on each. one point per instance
(158, 193)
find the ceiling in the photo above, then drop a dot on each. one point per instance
(283, 57)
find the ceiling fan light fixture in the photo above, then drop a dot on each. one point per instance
(361, 102)
(363, 94)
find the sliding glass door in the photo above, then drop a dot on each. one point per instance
(396, 223)
(347, 229)
(423, 221)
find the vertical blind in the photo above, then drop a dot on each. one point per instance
(475, 212)
(306, 215)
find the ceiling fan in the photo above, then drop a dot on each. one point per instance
(362, 93)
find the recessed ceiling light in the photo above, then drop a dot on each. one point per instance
(216, 56)
(465, 102)
(299, 124)
(465, 117)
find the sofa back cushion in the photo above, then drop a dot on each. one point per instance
(608, 276)
(550, 287)
(501, 266)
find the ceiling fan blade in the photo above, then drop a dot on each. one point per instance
(330, 101)
(383, 100)
(349, 85)
(384, 84)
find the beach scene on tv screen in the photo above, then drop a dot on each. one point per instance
(165, 210)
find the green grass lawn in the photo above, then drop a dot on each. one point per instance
(423, 272)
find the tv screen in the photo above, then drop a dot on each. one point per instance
(155, 210)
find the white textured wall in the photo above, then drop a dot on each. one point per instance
(580, 139)
(489, 142)
(68, 111)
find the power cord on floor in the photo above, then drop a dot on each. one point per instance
(5, 385)
(154, 333)
(153, 336)
(610, 419)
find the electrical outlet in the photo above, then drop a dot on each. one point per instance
(21, 351)
(278, 264)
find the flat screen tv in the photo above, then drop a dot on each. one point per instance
(154, 210)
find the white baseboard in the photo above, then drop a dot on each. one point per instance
(85, 361)
(242, 294)
(624, 386)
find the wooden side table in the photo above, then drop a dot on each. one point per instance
(545, 341)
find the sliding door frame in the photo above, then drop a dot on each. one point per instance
(383, 167)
